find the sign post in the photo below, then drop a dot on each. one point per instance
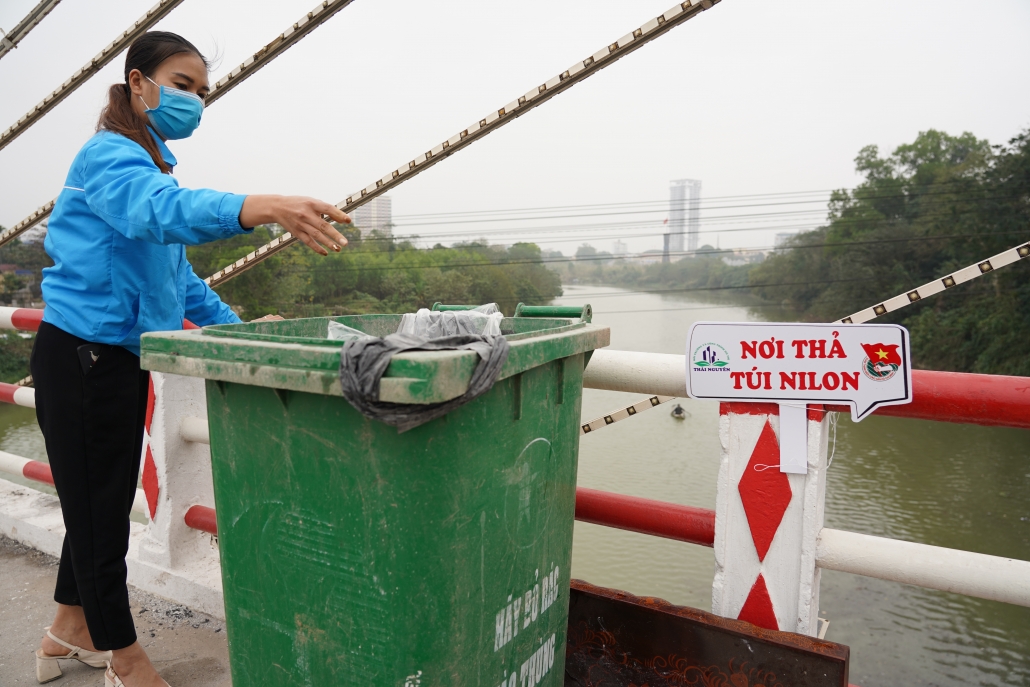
(767, 520)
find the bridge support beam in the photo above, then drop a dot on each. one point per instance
(767, 522)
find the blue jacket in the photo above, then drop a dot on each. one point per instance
(117, 237)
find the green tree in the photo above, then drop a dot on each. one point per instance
(377, 273)
(933, 206)
(15, 348)
(585, 251)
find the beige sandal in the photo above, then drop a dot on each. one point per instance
(48, 669)
(111, 678)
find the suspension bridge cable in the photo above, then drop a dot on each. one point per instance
(113, 49)
(719, 219)
(10, 40)
(288, 38)
(578, 72)
(969, 273)
(283, 42)
(39, 215)
(732, 219)
(612, 258)
(705, 199)
(540, 232)
(630, 211)
(932, 288)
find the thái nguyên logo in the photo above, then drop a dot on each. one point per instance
(711, 357)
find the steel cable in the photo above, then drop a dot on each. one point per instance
(288, 38)
(10, 40)
(578, 72)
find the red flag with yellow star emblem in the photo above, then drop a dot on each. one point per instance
(883, 353)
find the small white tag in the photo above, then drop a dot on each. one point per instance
(794, 439)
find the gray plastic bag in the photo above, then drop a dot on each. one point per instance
(363, 362)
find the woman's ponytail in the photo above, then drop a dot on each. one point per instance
(145, 54)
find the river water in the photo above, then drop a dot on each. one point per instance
(957, 486)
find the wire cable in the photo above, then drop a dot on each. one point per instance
(288, 38)
(10, 40)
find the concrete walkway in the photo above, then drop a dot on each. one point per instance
(188, 648)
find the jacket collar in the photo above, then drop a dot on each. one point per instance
(166, 154)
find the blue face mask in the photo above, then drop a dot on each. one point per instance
(177, 115)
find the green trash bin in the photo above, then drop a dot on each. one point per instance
(355, 555)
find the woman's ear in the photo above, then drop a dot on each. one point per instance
(136, 81)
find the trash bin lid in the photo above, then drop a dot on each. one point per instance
(297, 355)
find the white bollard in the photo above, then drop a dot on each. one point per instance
(767, 522)
(181, 478)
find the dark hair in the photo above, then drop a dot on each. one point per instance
(145, 54)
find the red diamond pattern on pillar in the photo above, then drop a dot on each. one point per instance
(151, 488)
(758, 609)
(765, 492)
(150, 485)
(151, 402)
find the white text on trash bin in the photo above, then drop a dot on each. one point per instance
(523, 609)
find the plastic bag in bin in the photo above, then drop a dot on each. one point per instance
(341, 332)
(484, 320)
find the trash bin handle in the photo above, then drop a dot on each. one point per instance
(584, 313)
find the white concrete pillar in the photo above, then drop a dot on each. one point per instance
(177, 475)
(767, 522)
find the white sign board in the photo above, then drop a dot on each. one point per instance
(861, 365)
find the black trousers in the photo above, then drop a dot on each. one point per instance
(92, 422)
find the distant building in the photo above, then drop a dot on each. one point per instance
(620, 248)
(650, 257)
(375, 215)
(781, 238)
(745, 257)
(684, 215)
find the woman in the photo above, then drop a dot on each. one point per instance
(117, 238)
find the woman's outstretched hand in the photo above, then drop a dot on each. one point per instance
(303, 217)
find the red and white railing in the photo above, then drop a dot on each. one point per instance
(991, 400)
(38, 471)
(29, 319)
(769, 537)
(25, 319)
(17, 395)
(23, 467)
(952, 397)
(766, 529)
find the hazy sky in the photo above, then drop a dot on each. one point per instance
(751, 97)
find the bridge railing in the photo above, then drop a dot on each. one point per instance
(767, 528)
(770, 543)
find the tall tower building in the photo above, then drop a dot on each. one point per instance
(375, 215)
(684, 214)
